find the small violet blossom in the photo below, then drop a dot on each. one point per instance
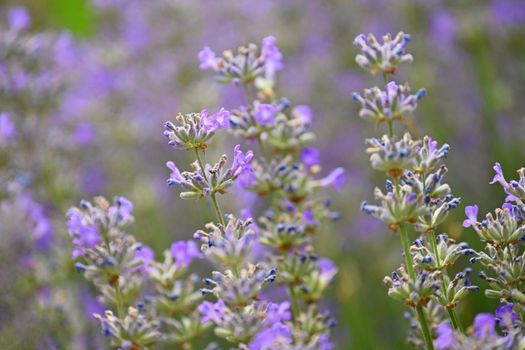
(303, 113)
(184, 252)
(445, 337)
(7, 129)
(484, 325)
(336, 179)
(219, 120)
(212, 312)
(278, 337)
(18, 19)
(241, 161)
(273, 58)
(472, 215)
(310, 157)
(208, 59)
(265, 114)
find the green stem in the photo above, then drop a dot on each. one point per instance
(118, 297)
(390, 129)
(424, 327)
(456, 323)
(410, 270)
(218, 211)
(248, 91)
(295, 303)
(201, 164)
(406, 247)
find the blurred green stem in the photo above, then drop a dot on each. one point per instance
(216, 206)
(410, 270)
(295, 303)
(118, 297)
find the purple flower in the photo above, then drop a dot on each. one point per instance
(308, 217)
(175, 176)
(484, 326)
(336, 179)
(277, 313)
(265, 114)
(443, 29)
(241, 161)
(471, 211)
(507, 13)
(210, 123)
(145, 255)
(7, 129)
(212, 312)
(277, 337)
(66, 51)
(86, 235)
(208, 59)
(327, 269)
(499, 176)
(325, 343)
(303, 113)
(91, 304)
(272, 57)
(445, 337)
(121, 211)
(310, 157)
(505, 316)
(18, 18)
(84, 134)
(184, 252)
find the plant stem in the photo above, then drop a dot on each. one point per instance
(118, 297)
(406, 248)
(410, 270)
(201, 164)
(218, 211)
(424, 327)
(295, 303)
(456, 323)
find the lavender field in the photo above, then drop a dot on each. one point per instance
(262, 175)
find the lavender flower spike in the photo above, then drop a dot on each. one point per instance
(385, 57)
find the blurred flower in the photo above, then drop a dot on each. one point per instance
(184, 252)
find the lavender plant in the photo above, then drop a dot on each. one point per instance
(281, 174)
(248, 256)
(147, 302)
(417, 198)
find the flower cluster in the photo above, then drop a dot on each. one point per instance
(416, 196)
(249, 65)
(376, 57)
(148, 302)
(484, 334)
(503, 234)
(394, 103)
